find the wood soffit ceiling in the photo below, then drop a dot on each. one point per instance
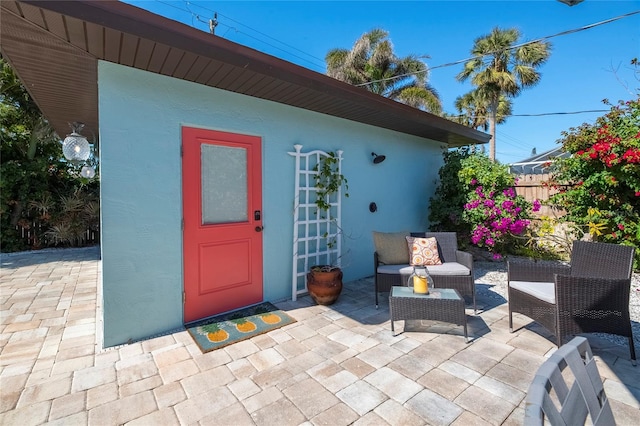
(54, 47)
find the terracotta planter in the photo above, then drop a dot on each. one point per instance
(324, 286)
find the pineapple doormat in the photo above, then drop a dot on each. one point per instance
(226, 329)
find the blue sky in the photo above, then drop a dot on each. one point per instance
(585, 67)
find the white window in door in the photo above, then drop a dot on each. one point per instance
(224, 184)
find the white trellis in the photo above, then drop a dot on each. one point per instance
(315, 236)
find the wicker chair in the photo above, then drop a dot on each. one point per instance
(589, 296)
(448, 252)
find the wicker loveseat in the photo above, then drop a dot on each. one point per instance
(589, 296)
(455, 272)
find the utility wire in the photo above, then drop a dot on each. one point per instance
(449, 64)
(516, 143)
(173, 6)
(274, 46)
(513, 142)
(258, 32)
(199, 19)
(575, 30)
(562, 33)
(542, 114)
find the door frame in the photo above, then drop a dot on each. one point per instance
(188, 134)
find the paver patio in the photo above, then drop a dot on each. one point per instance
(336, 365)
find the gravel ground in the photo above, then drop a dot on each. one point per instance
(495, 273)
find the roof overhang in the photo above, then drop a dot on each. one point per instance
(54, 47)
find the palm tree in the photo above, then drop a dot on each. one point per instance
(499, 67)
(372, 63)
(473, 110)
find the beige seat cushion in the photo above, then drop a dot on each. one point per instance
(395, 269)
(447, 268)
(540, 290)
(391, 247)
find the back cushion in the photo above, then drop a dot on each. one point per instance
(391, 247)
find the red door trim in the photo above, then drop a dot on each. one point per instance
(222, 262)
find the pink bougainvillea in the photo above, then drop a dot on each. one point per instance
(494, 210)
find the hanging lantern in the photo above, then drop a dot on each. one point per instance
(75, 147)
(87, 172)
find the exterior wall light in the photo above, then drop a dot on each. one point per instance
(377, 159)
(75, 147)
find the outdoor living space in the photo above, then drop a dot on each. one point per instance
(336, 365)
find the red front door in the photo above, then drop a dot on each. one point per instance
(222, 209)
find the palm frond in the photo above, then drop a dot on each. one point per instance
(372, 62)
(420, 97)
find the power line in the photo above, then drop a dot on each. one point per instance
(514, 147)
(261, 33)
(541, 114)
(275, 47)
(199, 19)
(510, 141)
(173, 6)
(575, 30)
(449, 64)
(558, 113)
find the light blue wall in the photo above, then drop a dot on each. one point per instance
(141, 115)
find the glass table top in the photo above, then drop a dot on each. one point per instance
(434, 293)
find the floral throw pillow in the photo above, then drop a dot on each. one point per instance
(423, 251)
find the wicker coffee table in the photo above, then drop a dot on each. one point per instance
(441, 304)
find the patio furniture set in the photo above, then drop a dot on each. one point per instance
(393, 267)
(589, 295)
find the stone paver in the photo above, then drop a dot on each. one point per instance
(310, 397)
(260, 400)
(395, 413)
(123, 410)
(490, 407)
(67, 405)
(443, 383)
(337, 365)
(361, 397)
(435, 409)
(393, 384)
(200, 383)
(169, 395)
(337, 415)
(282, 412)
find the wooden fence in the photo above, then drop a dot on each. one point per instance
(535, 187)
(91, 236)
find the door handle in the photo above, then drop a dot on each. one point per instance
(259, 228)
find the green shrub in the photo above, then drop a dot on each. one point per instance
(446, 207)
(476, 198)
(601, 179)
(36, 185)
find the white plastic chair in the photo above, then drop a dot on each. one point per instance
(567, 397)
